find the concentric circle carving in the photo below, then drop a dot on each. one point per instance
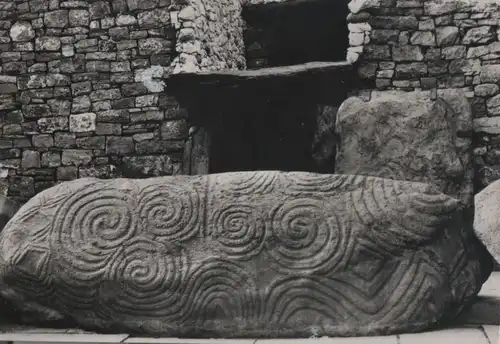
(223, 287)
(170, 211)
(239, 229)
(304, 237)
(91, 225)
(148, 277)
(249, 183)
(306, 182)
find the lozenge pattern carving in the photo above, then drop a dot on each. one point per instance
(237, 254)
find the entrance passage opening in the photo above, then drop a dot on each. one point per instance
(296, 32)
(271, 134)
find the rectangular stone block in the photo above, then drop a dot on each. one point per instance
(407, 53)
(82, 123)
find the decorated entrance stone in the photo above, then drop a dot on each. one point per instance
(246, 254)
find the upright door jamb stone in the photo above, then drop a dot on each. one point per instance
(200, 152)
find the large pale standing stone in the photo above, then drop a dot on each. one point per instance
(245, 254)
(409, 136)
(486, 218)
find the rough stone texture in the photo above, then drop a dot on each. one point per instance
(486, 215)
(21, 31)
(408, 136)
(209, 36)
(77, 68)
(466, 56)
(248, 254)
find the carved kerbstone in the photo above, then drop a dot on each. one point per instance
(248, 254)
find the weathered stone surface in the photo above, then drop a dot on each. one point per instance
(56, 19)
(84, 122)
(155, 18)
(486, 215)
(47, 44)
(407, 53)
(155, 46)
(408, 136)
(79, 17)
(478, 35)
(446, 35)
(425, 38)
(22, 31)
(147, 166)
(279, 254)
(30, 159)
(119, 145)
(490, 74)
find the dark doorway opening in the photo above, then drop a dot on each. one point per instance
(296, 32)
(267, 119)
(269, 134)
(283, 125)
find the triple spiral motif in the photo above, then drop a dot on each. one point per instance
(128, 236)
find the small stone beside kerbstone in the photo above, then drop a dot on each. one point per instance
(487, 213)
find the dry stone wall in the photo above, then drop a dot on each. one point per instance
(210, 35)
(81, 92)
(437, 44)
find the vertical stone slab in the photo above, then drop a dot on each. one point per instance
(409, 136)
(200, 152)
(7, 210)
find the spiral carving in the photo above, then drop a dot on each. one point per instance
(224, 286)
(305, 238)
(314, 183)
(398, 212)
(132, 254)
(239, 229)
(170, 211)
(287, 296)
(91, 225)
(249, 183)
(148, 277)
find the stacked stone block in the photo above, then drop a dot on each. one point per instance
(427, 45)
(82, 92)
